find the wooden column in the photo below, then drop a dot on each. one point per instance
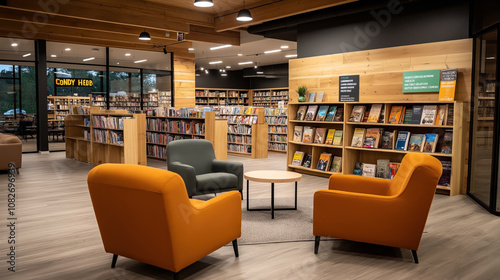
(184, 81)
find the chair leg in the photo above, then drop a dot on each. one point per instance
(176, 276)
(241, 192)
(235, 248)
(113, 262)
(415, 257)
(17, 169)
(316, 244)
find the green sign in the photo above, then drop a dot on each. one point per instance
(421, 81)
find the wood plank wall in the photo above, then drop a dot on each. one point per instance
(381, 75)
(184, 81)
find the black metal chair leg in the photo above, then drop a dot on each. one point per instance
(235, 248)
(241, 192)
(316, 244)
(415, 257)
(176, 276)
(113, 262)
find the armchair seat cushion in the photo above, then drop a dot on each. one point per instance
(214, 182)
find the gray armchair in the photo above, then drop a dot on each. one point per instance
(194, 160)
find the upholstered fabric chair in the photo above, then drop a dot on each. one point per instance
(390, 212)
(11, 150)
(145, 214)
(194, 160)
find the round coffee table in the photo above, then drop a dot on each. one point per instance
(272, 176)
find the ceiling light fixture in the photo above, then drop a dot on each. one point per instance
(490, 57)
(90, 58)
(165, 50)
(14, 44)
(206, 71)
(260, 72)
(224, 74)
(67, 49)
(220, 47)
(144, 36)
(139, 61)
(228, 67)
(127, 54)
(291, 55)
(53, 55)
(284, 47)
(203, 3)
(26, 55)
(255, 66)
(244, 63)
(190, 49)
(62, 73)
(240, 54)
(244, 14)
(273, 51)
(201, 68)
(215, 62)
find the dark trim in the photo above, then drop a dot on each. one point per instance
(15, 60)
(41, 95)
(496, 138)
(108, 86)
(142, 88)
(414, 254)
(316, 244)
(172, 85)
(235, 248)
(113, 261)
(76, 63)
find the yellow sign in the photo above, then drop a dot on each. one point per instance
(448, 84)
(74, 82)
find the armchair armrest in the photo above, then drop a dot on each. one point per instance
(232, 167)
(359, 184)
(187, 173)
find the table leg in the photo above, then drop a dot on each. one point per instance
(295, 195)
(272, 200)
(248, 197)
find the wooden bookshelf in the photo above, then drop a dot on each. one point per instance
(58, 108)
(351, 155)
(276, 120)
(222, 96)
(77, 145)
(269, 97)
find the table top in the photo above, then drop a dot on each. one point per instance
(272, 176)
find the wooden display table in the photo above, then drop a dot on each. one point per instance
(271, 176)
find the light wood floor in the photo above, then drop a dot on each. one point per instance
(57, 237)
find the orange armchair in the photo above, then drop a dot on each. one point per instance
(145, 214)
(390, 212)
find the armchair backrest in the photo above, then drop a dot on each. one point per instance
(141, 212)
(197, 153)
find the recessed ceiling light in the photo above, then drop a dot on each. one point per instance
(67, 49)
(291, 55)
(273, 51)
(53, 55)
(14, 44)
(190, 49)
(244, 63)
(284, 47)
(223, 74)
(228, 67)
(139, 61)
(260, 72)
(255, 66)
(206, 71)
(220, 70)
(88, 59)
(201, 68)
(490, 57)
(240, 54)
(127, 54)
(220, 47)
(215, 62)
(26, 55)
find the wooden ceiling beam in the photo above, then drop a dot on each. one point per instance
(264, 11)
(209, 35)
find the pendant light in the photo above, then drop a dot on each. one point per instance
(144, 36)
(203, 3)
(244, 14)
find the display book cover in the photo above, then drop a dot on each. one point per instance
(311, 112)
(366, 114)
(297, 133)
(416, 142)
(375, 112)
(408, 116)
(320, 135)
(324, 161)
(396, 115)
(428, 115)
(336, 165)
(369, 169)
(416, 114)
(430, 142)
(402, 140)
(307, 160)
(357, 114)
(337, 138)
(308, 134)
(446, 175)
(388, 139)
(301, 113)
(298, 157)
(441, 114)
(329, 136)
(446, 147)
(339, 115)
(331, 113)
(322, 113)
(358, 137)
(372, 138)
(383, 170)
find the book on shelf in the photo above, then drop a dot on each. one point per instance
(369, 170)
(441, 115)
(416, 114)
(324, 161)
(388, 139)
(336, 165)
(449, 114)
(320, 135)
(308, 134)
(393, 167)
(358, 168)
(416, 142)
(358, 137)
(357, 114)
(375, 112)
(297, 133)
(339, 115)
(321, 113)
(301, 113)
(331, 113)
(408, 115)
(445, 178)
(402, 140)
(428, 115)
(447, 142)
(382, 114)
(372, 138)
(311, 97)
(319, 98)
(329, 136)
(311, 112)
(337, 137)
(366, 114)
(430, 142)
(298, 157)
(396, 114)
(307, 161)
(383, 170)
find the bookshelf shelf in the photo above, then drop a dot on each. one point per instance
(221, 96)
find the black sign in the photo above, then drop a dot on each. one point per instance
(349, 88)
(180, 36)
(74, 82)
